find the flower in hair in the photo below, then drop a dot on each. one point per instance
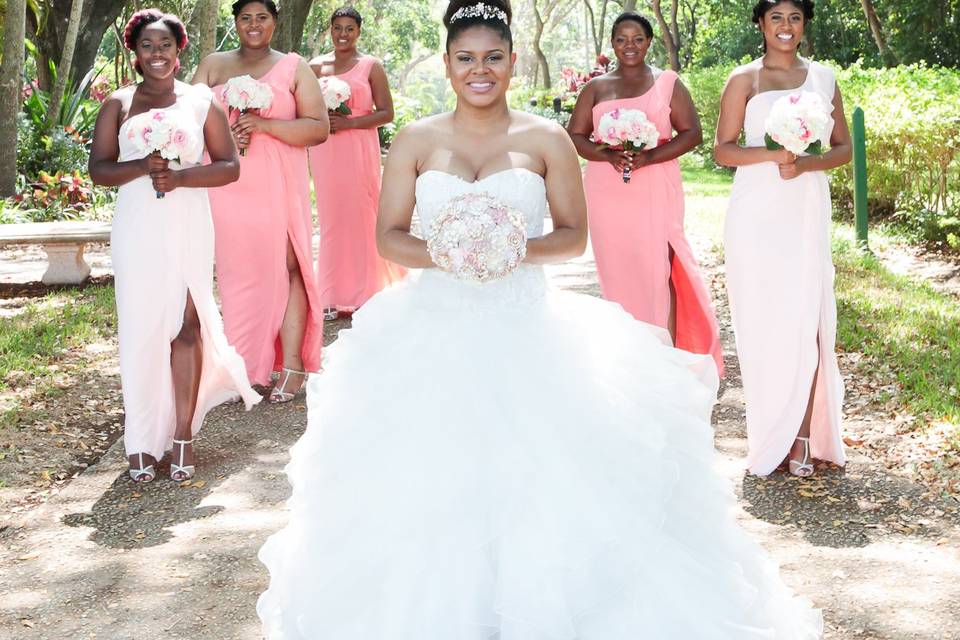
(480, 10)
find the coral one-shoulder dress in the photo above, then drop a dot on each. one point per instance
(634, 226)
(346, 177)
(255, 218)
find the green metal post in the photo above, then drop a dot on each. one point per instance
(860, 177)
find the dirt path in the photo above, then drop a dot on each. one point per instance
(105, 559)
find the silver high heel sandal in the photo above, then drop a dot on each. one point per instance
(278, 394)
(802, 468)
(144, 474)
(186, 471)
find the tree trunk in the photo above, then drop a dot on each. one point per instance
(293, 15)
(889, 57)
(670, 39)
(598, 30)
(63, 69)
(95, 19)
(544, 64)
(629, 5)
(202, 29)
(408, 69)
(11, 86)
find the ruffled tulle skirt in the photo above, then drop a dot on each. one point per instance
(513, 462)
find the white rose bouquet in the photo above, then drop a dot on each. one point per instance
(798, 122)
(477, 238)
(243, 93)
(167, 133)
(626, 129)
(336, 92)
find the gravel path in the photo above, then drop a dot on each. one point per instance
(110, 560)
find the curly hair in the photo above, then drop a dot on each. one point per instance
(347, 12)
(139, 20)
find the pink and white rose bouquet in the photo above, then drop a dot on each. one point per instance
(336, 92)
(626, 129)
(169, 133)
(798, 122)
(244, 94)
(477, 238)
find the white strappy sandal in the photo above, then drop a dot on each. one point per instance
(188, 470)
(144, 474)
(802, 468)
(278, 394)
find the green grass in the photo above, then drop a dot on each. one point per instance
(35, 340)
(904, 327)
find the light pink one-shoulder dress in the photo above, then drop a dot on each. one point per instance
(780, 282)
(633, 226)
(255, 217)
(162, 251)
(346, 178)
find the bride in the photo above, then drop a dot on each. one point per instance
(504, 460)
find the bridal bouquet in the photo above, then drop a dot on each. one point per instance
(477, 238)
(798, 122)
(168, 133)
(336, 92)
(626, 129)
(243, 93)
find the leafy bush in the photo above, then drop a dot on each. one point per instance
(60, 150)
(77, 110)
(61, 196)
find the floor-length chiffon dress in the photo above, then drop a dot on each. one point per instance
(634, 226)
(255, 218)
(161, 251)
(780, 283)
(346, 178)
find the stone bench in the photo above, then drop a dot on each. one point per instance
(64, 243)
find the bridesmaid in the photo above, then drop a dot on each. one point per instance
(346, 174)
(777, 246)
(271, 302)
(643, 258)
(175, 363)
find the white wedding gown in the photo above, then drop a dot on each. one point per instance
(509, 461)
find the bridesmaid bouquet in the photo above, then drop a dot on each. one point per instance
(626, 129)
(798, 122)
(243, 93)
(168, 133)
(477, 238)
(336, 92)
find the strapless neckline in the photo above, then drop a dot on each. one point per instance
(463, 180)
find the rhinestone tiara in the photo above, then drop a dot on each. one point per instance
(480, 10)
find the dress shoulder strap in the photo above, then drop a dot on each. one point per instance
(288, 67)
(664, 84)
(823, 80)
(200, 96)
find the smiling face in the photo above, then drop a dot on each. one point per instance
(255, 26)
(480, 65)
(782, 27)
(630, 43)
(344, 32)
(157, 51)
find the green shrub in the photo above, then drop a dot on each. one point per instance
(912, 116)
(57, 151)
